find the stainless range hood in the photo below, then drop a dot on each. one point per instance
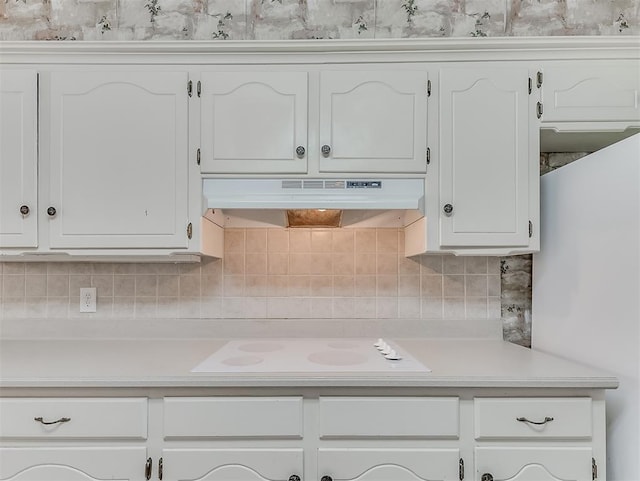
(365, 202)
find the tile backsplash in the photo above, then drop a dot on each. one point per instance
(268, 274)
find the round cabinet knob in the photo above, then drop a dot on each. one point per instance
(486, 477)
(294, 477)
(51, 211)
(300, 151)
(448, 209)
(326, 150)
(326, 478)
(24, 209)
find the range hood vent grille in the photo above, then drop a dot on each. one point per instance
(313, 184)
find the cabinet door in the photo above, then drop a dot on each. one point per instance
(118, 154)
(373, 121)
(591, 91)
(484, 157)
(18, 158)
(254, 122)
(351, 464)
(535, 464)
(72, 463)
(241, 464)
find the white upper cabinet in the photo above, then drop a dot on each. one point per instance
(18, 158)
(373, 121)
(484, 156)
(118, 168)
(591, 91)
(254, 122)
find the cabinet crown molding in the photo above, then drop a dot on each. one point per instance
(314, 51)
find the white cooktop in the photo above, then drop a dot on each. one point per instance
(308, 355)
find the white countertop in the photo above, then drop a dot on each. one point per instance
(162, 363)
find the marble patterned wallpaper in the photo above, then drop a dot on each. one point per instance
(308, 19)
(334, 19)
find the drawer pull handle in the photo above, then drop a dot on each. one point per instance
(547, 419)
(61, 420)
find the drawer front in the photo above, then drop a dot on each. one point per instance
(237, 417)
(533, 418)
(363, 417)
(74, 418)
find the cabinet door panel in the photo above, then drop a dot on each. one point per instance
(18, 158)
(119, 146)
(597, 91)
(252, 122)
(72, 463)
(535, 464)
(417, 464)
(373, 121)
(241, 464)
(484, 157)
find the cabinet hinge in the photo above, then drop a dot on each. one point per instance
(199, 88)
(461, 469)
(147, 468)
(160, 468)
(190, 88)
(594, 469)
(189, 230)
(428, 88)
(530, 229)
(530, 85)
(198, 156)
(428, 155)
(539, 110)
(539, 79)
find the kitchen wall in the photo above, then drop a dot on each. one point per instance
(290, 19)
(268, 273)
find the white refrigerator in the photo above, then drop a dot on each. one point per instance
(586, 283)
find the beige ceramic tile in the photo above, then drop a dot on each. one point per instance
(234, 240)
(36, 286)
(321, 308)
(190, 269)
(35, 307)
(146, 307)
(343, 240)
(386, 286)
(124, 268)
(494, 286)
(125, 286)
(365, 263)
(408, 265)
(343, 308)
(76, 282)
(211, 266)
(409, 307)
(277, 286)
(123, 307)
(299, 286)
(37, 268)
(103, 285)
(453, 308)
(431, 265)
(14, 268)
(57, 285)
(387, 240)
(453, 285)
(211, 308)
(189, 308)
(277, 240)
(365, 240)
(320, 263)
(453, 265)
(255, 286)
(146, 286)
(387, 308)
(62, 268)
(234, 263)
(211, 286)
(256, 240)
(256, 263)
(168, 286)
(365, 307)
(387, 264)
(409, 286)
(475, 265)
(365, 286)
(168, 307)
(233, 286)
(13, 307)
(344, 264)
(344, 286)
(299, 263)
(321, 286)
(300, 240)
(494, 308)
(476, 307)
(58, 307)
(277, 263)
(475, 285)
(431, 286)
(321, 240)
(100, 268)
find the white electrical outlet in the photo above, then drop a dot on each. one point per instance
(88, 299)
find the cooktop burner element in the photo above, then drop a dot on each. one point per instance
(310, 355)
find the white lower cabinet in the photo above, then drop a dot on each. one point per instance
(73, 439)
(73, 463)
(242, 464)
(556, 463)
(388, 464)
